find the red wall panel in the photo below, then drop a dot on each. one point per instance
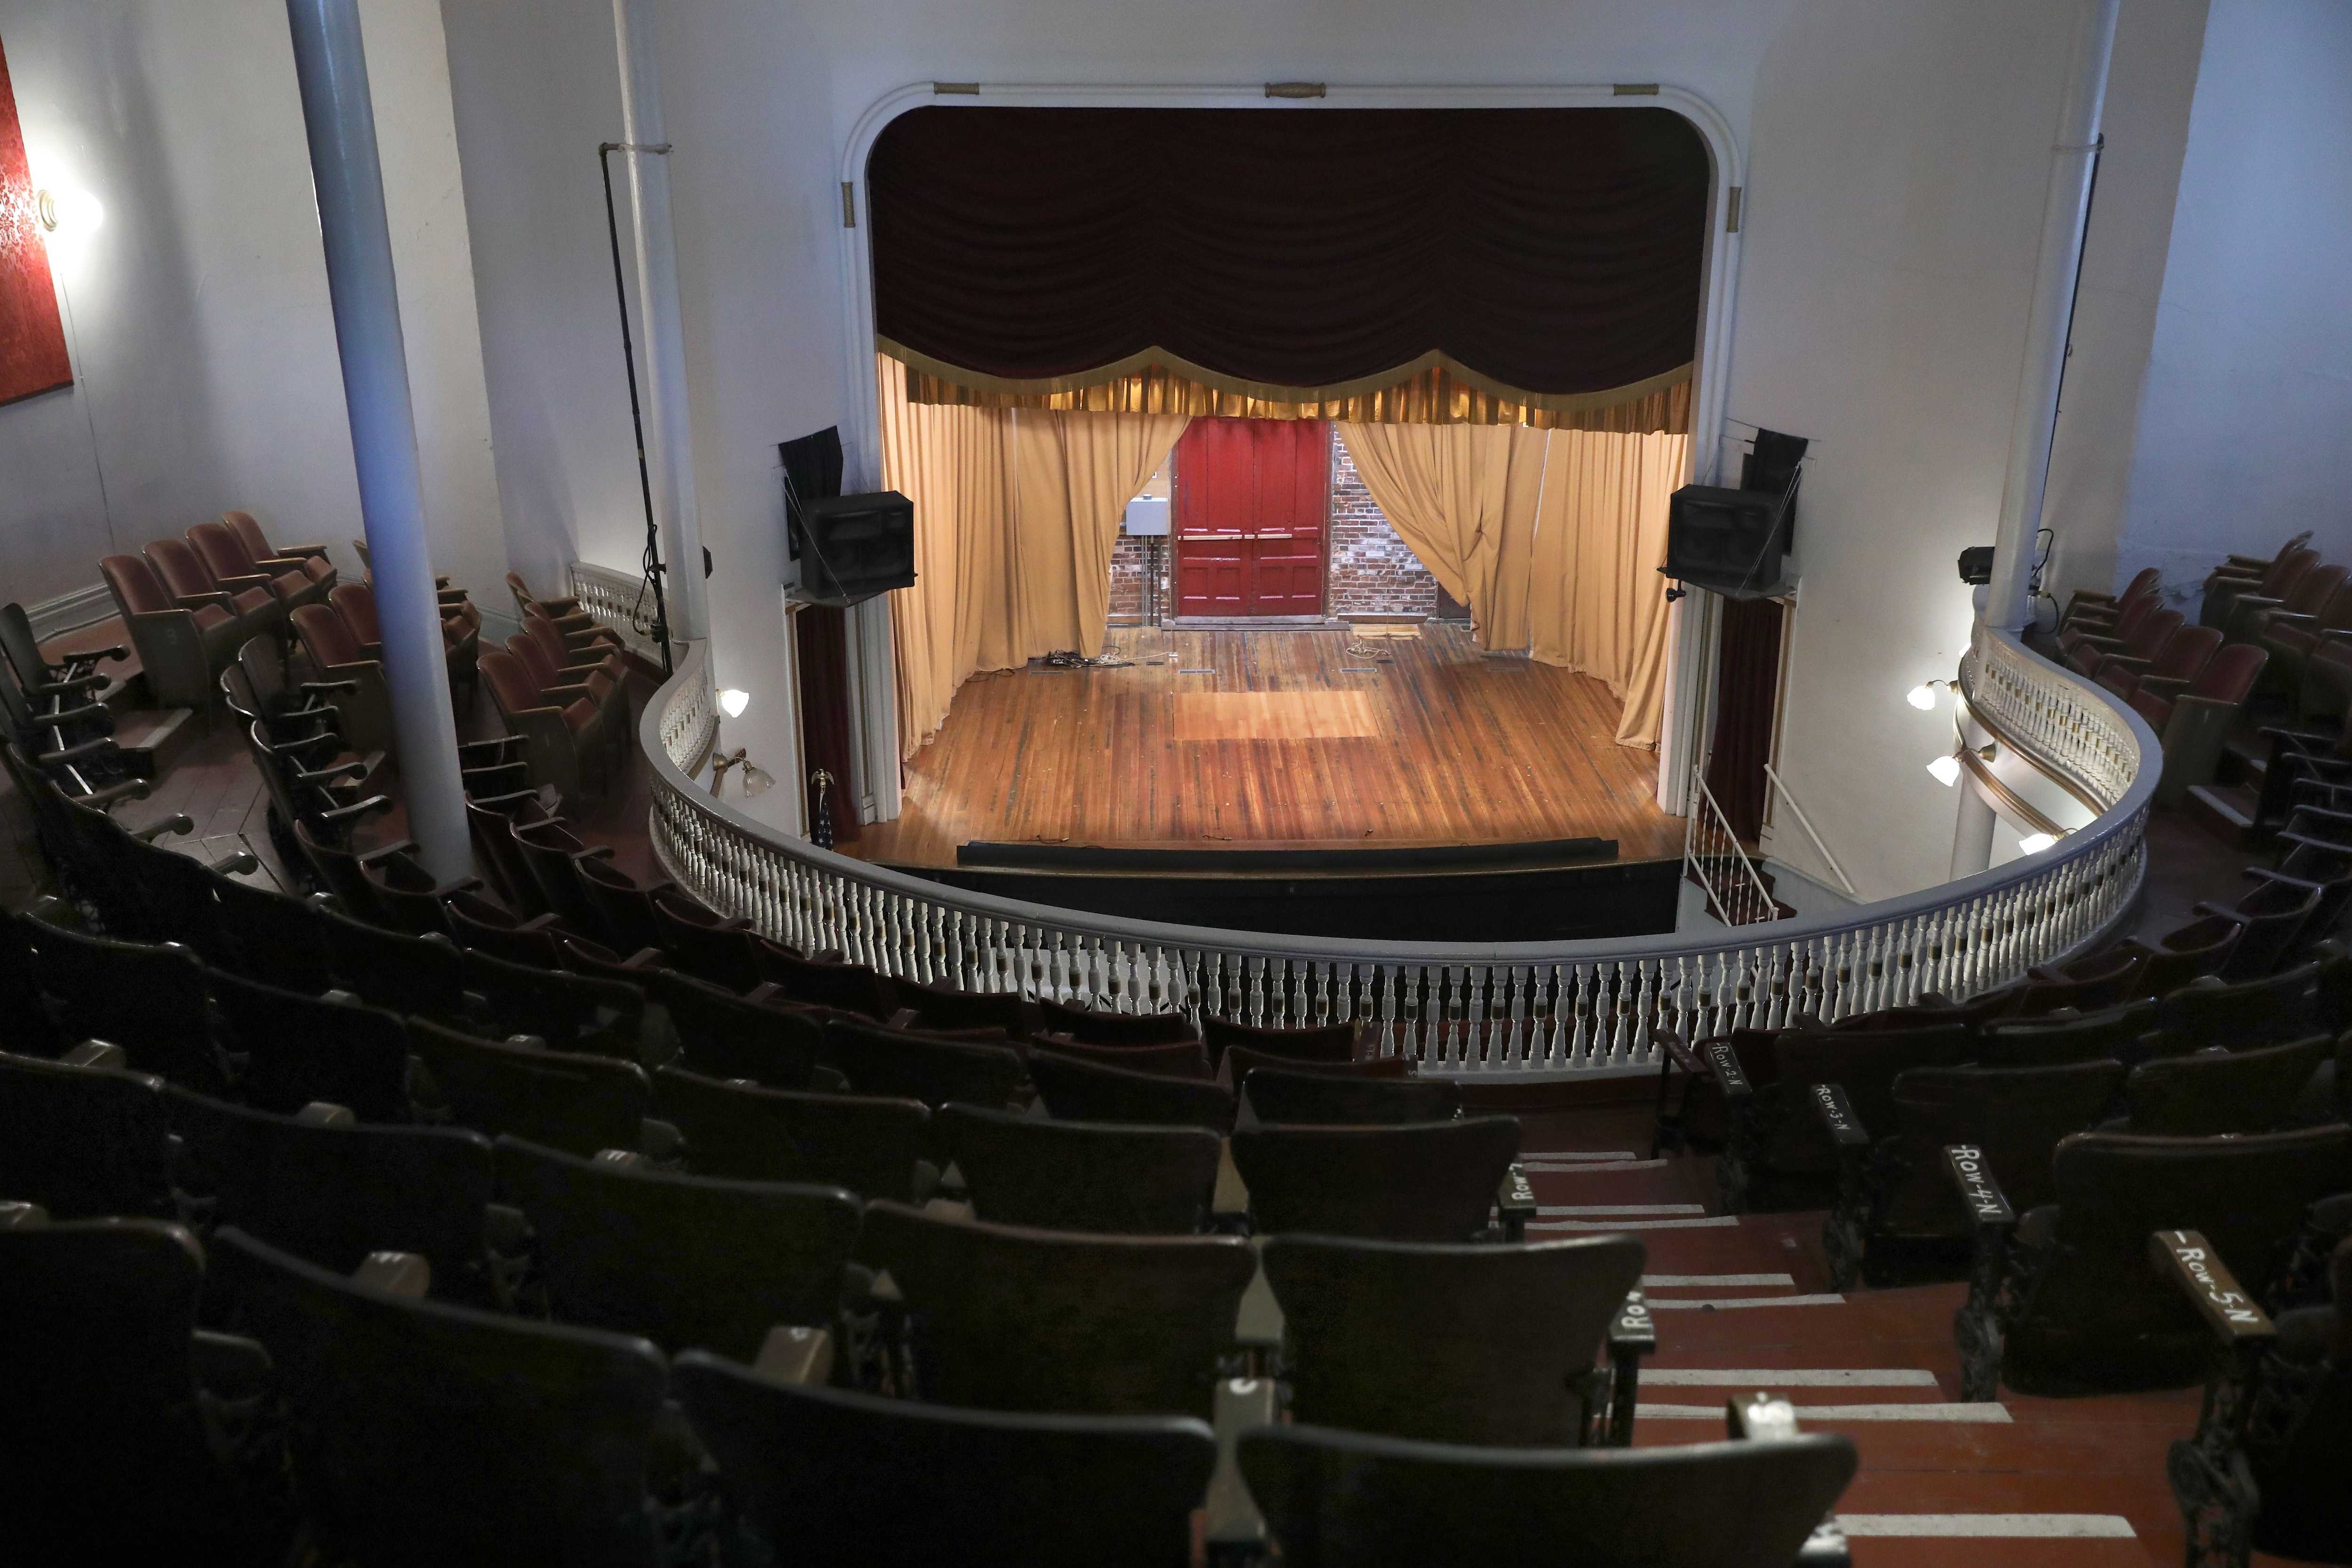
(32, 338)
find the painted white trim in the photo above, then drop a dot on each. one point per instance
(1619, 1155)
(1982, 1412)
(1989, 1526)
(1711, 1222)
(1559, 1211)
(70, 612)
(1770, 1377)
(1733, 1303)
(1651, 1281)
(1720, 298)
(1577, 1170)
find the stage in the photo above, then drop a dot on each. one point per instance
(1286, 739)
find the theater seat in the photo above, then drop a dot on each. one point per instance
(566, 745)
(182, 646)
(311, 558)
(224, 555)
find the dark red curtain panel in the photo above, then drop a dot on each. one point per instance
(1747, 692)
(32, 336)
(1553, 250)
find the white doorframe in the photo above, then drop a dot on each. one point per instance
(1688, 670)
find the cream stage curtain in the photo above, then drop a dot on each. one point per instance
(1015, 515)
(1552, 538)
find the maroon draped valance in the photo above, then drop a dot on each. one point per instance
(1552, 252)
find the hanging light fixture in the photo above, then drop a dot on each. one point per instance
(1946, 771)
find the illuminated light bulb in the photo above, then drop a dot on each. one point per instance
(733, 701)
(1921, 697)
(2036, 843)
(71, 212)
(1946, 771)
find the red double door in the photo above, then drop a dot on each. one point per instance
(1253, 502)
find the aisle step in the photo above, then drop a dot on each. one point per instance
(1991, 1526)
(1734, 1303)
(1673, 1282)
(1973, 1413)
(1703, 1222)
(1773, 1379)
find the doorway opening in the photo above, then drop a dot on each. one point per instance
(1251, 529)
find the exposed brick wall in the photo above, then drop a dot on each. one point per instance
(1127, 558)
(1372, 572)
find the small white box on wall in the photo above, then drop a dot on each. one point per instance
(1146, 516)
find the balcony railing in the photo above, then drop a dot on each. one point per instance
(1519, 1010)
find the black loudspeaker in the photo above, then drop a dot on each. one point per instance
(853, 547)
(1976, 564)
(1731, 541)
(1736, 542)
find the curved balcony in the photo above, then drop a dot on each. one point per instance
(1525, 1011)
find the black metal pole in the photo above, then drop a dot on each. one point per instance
(653, 561)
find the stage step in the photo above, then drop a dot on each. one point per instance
(2225, 811)
(152, 739)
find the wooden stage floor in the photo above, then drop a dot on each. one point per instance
(1286, 739)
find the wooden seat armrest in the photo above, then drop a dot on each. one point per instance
(1723, 1066)
(503, 800)
(565, 696)
(242, 581)
(405, 847)
(646, 958)
(1514, 1203)
(2099, 642)
(1632, 1334)
(395, 1273)
(1232, 1524)
(1677, 1051)
(2190, 1263)
(228, 1366)
(2329, 813)
(1837, 1115)
(98, 1054)
(2244, 600)
(2280, 617)
(90, 682)
(114, 794)
(17, 1215)
(241, 863)
(66, 756)
(179, 823)
(320, 1113)
(2164, 686)
(593, 852)
(96, 713)
(198, 601)
(500, 747)
(353, 768)
(904, 1018)
(2123, 661)
(357, 809)
(327, 688)
(1972, 1176)
(797, 1355)
(661, 1142)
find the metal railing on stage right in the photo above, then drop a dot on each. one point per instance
(1514, 1010)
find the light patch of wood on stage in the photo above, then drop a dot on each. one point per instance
(1288, 740)
(1274, 715)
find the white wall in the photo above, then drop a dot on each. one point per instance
(1900, 159)
(2245, 425)
(204, 348)
(2149, 87)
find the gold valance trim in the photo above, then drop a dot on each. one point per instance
(1433, 389)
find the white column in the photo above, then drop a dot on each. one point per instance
(669, 441)
(1972, 835)
(331, 68)
(2035, 417)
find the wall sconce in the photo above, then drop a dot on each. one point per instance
(2036, 843)
(72, 212)
(1923, 695)
(733, 701)
(757, 780)
(1988, 749)
(1946, 771)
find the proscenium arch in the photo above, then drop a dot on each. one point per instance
(1719, 287)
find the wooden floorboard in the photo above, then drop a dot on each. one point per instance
(1287, 739)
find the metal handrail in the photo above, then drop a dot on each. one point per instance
(1549, 1008)
(1807, 823)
